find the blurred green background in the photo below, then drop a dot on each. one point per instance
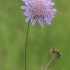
(40, 41)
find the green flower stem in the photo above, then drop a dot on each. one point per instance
(26, 46)
(47, 66)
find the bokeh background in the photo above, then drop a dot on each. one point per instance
(41, 40)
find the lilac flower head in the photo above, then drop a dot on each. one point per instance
(40, 10)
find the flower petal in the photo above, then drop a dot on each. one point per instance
(27, 13)
(47, 21)
(53, 10)
(51, 4)
(49, 0)
(28, 19)
(41, 22)
(33, 22)
(26, 1)
(24, 7)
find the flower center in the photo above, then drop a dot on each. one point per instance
(39, 8)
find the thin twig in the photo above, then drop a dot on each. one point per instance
(26, 45)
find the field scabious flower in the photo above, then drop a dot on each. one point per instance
(40, 10)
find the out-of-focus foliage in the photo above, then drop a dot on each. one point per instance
(13, 33)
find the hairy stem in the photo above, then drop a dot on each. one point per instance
(47, 66)
(26, 45)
